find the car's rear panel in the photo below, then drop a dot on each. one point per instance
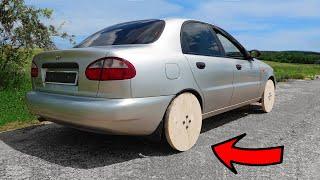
(63, 72)
(93, 67)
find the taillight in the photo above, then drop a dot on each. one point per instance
(110, 68)
(34, 70)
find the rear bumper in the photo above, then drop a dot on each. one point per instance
(135, 116)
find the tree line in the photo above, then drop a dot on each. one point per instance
(299, 57)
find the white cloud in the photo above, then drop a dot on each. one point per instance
(247, 14)
(257, 8)
(84, 17)
(306, 39)
(256, 23)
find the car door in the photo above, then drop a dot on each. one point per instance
(212, 72)
(246, 71)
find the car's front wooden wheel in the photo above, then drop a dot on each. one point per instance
(183, 121)
(268, 97)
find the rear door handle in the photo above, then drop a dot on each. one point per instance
(238, 66)
(201, 65)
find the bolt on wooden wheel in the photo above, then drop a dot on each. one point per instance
(268, 97)
(183, 121)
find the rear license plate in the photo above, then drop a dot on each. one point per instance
(62, 77)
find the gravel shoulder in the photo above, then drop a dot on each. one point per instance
(52, 151)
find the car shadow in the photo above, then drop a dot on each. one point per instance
(227, 117)
(77, 149)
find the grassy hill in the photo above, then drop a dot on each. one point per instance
(285, 71)
(299, 57)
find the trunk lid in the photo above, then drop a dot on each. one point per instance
(63, 72)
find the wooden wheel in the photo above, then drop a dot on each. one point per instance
(183, 121)
(268, 97)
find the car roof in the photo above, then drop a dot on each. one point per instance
(182, 20)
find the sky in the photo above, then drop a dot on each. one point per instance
(257, 24)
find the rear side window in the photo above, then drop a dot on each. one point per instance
(199, 39)
(136, 32)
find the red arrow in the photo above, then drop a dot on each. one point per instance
(228, 154)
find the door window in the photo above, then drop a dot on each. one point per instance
(199, 39)
(231, 50)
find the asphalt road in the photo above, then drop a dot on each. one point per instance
(52, 151)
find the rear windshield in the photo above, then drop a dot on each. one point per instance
(136, 32)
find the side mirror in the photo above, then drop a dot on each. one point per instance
(255, 53)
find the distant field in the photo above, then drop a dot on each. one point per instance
(284, 71)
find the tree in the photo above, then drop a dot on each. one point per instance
(22, 29)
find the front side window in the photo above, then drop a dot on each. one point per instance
(230, 49)
(136, 32)
(199, 39)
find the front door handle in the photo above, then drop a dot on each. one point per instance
(238, 66)
(201, 65)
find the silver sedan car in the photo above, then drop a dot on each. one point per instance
(149, 77)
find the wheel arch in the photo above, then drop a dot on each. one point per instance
(194, 92)
(273, 79)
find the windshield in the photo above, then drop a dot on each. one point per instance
(136, 32)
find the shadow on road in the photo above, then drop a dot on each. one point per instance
(72, 148)
(221, 119)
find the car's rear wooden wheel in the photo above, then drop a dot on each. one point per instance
(183, 121)
(268, 97)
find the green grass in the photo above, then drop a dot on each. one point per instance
(14, 112)
(13, 107)
(285, 71)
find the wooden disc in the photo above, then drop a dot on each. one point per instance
(268, 97)
(183, 122)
